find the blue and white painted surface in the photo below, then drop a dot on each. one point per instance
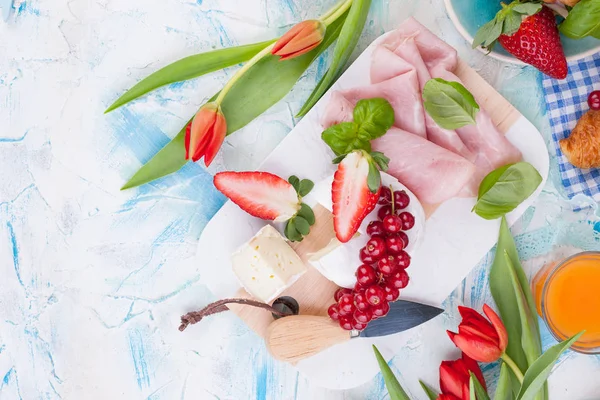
(91, 277)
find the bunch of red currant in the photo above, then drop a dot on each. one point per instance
(383, 272)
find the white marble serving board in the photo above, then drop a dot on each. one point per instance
(455, 238)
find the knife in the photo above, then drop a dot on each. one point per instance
(297, 337)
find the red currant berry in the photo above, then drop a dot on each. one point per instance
(394, 244)
(365, 257)
(346, 322)
(391, 292)
(594, 100)
(380, 310)
(358, 288)
(392, 224)
(399, 280)
(376, 247)
(334, 312)
(375, 295)
(408, 220)
(385, 196)
(340, 292)
(403, 260)
(360, 302)
(387, 265)
(363, 316)
(404, 237)
(346, 304)
(365, 275)
(383, 212)
(375, 228)
(401, 200)
(359, 326)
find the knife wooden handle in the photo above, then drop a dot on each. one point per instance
(297, 337)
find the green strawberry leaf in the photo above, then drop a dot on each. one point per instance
(295, 182)
(488, 34)
(307, 213)
(305, 186)
(339, 159)
(381, 160)
(527, 8)
(302, 225)
(374, 177)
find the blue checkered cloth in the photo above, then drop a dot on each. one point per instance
(567, 102)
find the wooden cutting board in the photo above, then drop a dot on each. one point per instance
(313, 291)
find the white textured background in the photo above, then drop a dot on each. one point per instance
(93, 280)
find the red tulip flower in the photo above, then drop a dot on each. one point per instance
(302, 38)
(455, 376)
(205, 135)
(480, 339)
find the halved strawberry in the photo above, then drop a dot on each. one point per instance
(260, 194)
(352, 199)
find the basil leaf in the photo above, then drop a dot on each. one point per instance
(391, 383)
(374, 117)
(477, 391)
(295, 182)
(540, 370)
(432, 394)
(305, 186)
(583, 20)
(450, 104)
(343, 138)
(302, 225)
(263, 85)
(373, 178)
(503, 291)
(351, 31)
(307, 213)
(188, 68)
(504, 389)
(503, 189)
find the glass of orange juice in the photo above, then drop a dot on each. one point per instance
(568, 299)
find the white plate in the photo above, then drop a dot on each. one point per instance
(455, 239)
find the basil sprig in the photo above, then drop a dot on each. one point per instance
(449, 104)
(583, 20)
(503, 189)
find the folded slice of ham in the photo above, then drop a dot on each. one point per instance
(431, 172)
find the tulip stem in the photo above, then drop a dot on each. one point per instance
(336, 12)
(242, 71)
(513, 366)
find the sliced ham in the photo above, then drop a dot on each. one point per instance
(338, 109)
(431, 172)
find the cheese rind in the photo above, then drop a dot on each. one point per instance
(266, 265)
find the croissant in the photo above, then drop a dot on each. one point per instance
(582, 148)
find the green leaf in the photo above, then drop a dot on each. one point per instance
(295, 182)
(168, 160)
(373, 178)
(190, 67)
(512, 23)
(291, 232)
(488, 34)
(540, 370)
(302, 225)
(432, 394)
(393, 386)
(339, 159)
(307, 213)
(450, 104)
(381, 160)
(504, 388)
(348, 39)
(306, 185)
(374, 117)
(261, 87)
(477, 389)
(502, 288)
(472, 394)
(344, 138)
(503, 189)
(583, 20)
(527, 8)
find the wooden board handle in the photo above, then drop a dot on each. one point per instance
(297, 337)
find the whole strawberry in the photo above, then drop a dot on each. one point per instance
(529, 32)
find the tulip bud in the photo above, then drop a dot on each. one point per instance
(205, 135)
(302, 38)
(480, 339)
(455, 376)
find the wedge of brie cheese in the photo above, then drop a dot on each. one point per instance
(267, 265)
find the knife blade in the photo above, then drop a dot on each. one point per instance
(297, 337)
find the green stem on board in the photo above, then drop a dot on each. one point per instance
(513, 366)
